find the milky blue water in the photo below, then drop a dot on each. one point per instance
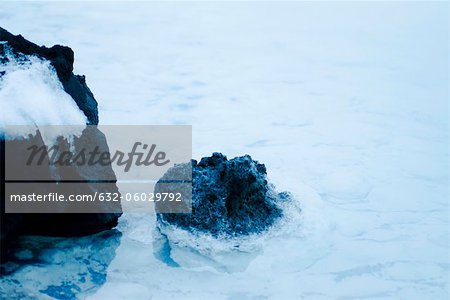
(347, 105)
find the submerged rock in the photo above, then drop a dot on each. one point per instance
(229, 197)
(58, 268)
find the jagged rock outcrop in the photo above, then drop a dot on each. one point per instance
(229, 197)
(56, 224)
(62, 59)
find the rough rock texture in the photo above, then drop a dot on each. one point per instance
(229, 197)
(62, 58)
(73, 224)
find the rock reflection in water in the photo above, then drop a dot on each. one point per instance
(62, 268)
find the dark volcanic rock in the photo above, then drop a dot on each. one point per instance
(62, 58)
(54, 224)
(229, 197)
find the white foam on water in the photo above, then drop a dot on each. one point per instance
(302, 227)
(32, 95)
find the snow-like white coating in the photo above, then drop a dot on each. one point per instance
(32, 95)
